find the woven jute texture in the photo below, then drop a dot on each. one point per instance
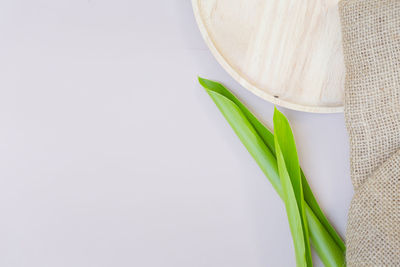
(371, 42)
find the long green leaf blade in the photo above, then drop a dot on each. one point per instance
(319, 214)
(264, 133)
(293, 211)
(249, 137)
(289, 170)
(283, 135)
(323, 241)
(268, 139)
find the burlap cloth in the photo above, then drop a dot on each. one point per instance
(371, 42)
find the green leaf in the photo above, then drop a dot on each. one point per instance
(268, 138)
(293, 212)
(260, 143)
(289, 172)
(263, 132)
(249, 137)
(318, 213)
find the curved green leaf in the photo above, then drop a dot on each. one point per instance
(289, 171)
(300, 240)
(260, 143)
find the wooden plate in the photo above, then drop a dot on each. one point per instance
(288, 52)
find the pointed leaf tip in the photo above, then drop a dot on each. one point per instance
(207, 84)
(201, 80)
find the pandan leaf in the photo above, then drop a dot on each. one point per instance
(259, 141)
(268, 138)
(292, 210)
(289, 172)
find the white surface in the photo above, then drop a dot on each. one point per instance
(112, 155)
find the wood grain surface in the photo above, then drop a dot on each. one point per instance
(288, 52)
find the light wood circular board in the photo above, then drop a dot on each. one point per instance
(288, 52)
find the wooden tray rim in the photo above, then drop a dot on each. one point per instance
(246, 84)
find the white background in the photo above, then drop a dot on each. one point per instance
(111, 154)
